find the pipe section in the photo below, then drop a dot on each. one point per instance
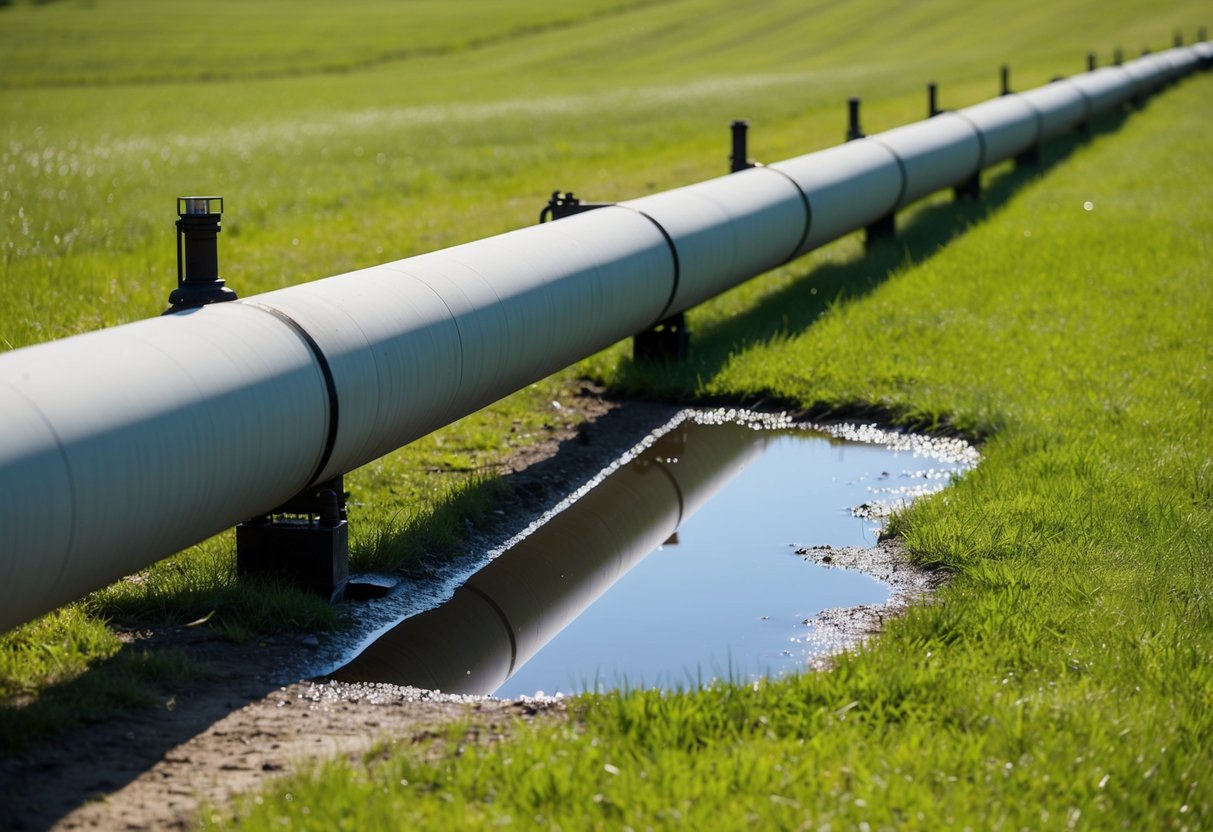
(125, 445)
(1060, 106)
(932, 154)
(848, 187)
(744, 223)
(147, 438)
(1105, 89)
(419, 343)
(1008, 126)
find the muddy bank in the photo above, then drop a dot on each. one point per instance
(841, 628)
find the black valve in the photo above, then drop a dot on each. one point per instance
(198, 280)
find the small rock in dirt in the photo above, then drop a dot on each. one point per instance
(310, 641)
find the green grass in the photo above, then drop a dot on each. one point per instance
(1064, 678)
(1074, 642)
(105, 42)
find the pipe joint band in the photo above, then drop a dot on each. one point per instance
(330, 385)
(669, 241)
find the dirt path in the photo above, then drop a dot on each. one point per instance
(154, 768)
(131, 784)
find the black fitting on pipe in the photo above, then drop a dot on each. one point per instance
(1004, 86)
(1179, 39)
(563, 205)
(933, 100)
(198, 229)
(740, 160)
(854, 131)
(1118, 56)
(1091, 62)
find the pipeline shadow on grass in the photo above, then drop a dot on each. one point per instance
(794, 308)
(98, 732)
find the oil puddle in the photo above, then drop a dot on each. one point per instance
(681, 563)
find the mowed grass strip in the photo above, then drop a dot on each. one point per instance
(168, 41)
(1064, 677)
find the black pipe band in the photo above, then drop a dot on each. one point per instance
(329, 384)
(808, 214)
(669, 241)
(901, 169)
(981, 141)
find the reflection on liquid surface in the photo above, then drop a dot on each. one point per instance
(679, 567)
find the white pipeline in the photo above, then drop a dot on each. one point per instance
(122, 446)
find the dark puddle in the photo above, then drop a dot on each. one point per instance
(681, 563)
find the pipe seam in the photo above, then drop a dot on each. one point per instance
(669, 241)
(981, 142)
(67, 468)
(808, 213)
(1088, 106)
(682, 508)
(1040, 120)
(901, 170)
(326, 372)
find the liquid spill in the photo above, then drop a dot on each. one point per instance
(680, 564)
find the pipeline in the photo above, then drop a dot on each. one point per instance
(124, 445)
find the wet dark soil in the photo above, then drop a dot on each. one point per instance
(153, 768)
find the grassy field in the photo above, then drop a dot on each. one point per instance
(1064, 677)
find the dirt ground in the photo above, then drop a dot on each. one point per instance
(154, 768)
